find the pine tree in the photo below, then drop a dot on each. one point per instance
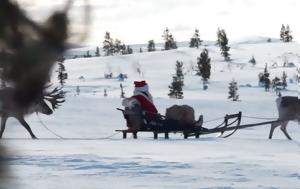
(108, 45)
(195, 40)
(284, 77)
(282, 33)
(179, 69)
(172, 42)
(177, 83)
(169, 40)
(219, 35)
(151, 46)
(266, 72)
(285, 61)
(128, 50)
(62, 75)
(123, 49)
(105, 93)
(166, 38)
(97, 53)
(233, 88)
(276, 85)
(223, 42)
(204, 67)
(266, 80)
(252, 61)
(77, 90)
(176, 88)
(117, 46)
(267, 84)
(122, 91)
(88, 54)
(287, 34)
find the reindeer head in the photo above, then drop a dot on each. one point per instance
(55, 98)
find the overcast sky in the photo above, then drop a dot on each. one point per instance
(137, 21)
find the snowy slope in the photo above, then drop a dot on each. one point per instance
(245, 160)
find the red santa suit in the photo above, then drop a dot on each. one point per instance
(142, 95)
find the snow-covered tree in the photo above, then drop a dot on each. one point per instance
(169, 40)
(179, 69)
(117, 46)
(204, 67)
(77, 90)
(127, 50)
(266, 72)
(219, 33)
(87, 54)
(223, 43)
(122, 91)
(267, 84)
(266, 78)
(252, 61)
(276, 82)
(285, 34)
(178, 82)
(97, 53)
(105, 93)
(108, 45)
(151, 46)
(233, 88)
(195, 40)
(62, 75)
(276, 85)
(283, 78)
(282, 33)
(176, 88)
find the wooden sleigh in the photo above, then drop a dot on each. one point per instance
(141, 121)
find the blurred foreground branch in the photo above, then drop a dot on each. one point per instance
(28, 51)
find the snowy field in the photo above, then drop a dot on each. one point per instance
(92, 155)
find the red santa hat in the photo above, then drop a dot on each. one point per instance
(141, 86)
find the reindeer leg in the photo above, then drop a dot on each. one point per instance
(27, 127)
(3, 122)
(283, 129)
(273, 126)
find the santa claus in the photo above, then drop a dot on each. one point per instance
(142, 97)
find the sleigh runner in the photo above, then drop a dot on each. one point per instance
(141, 121)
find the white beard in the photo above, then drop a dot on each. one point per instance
(130, 103)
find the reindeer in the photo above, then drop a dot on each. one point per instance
(288, 110)
(9, 107)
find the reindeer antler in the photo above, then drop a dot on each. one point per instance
(56, 97)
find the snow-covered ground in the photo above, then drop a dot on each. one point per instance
(90, 156)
